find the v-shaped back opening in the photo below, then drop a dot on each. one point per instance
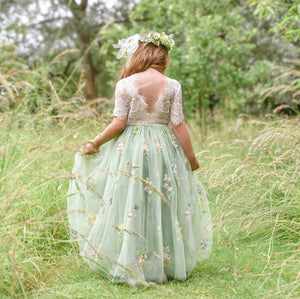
(150, 86)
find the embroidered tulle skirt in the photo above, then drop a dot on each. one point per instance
(137, 210)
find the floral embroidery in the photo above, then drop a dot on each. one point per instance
(141, 257)
(91, 252)
(174, 168)
(73, 233)
(187, 212)
(121, 226)
(166, 256)
(145, 149)
(166, 184)
(148, 190)
(90, 220)
(158, 146)
(129, 214)
(120, 146)
(174, 143)
(136, 207)
(204, 245)
(167, 179)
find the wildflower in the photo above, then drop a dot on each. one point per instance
(156, 43)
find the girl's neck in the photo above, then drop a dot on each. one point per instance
(157, 70)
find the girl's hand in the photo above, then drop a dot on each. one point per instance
(90, 148)
(194, 164)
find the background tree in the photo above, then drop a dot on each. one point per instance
(42, 28)
(222, 56)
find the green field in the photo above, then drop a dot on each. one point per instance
(249, 167)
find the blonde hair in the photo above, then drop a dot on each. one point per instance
(147, 55)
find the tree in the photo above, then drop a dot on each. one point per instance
(211, 52)
(41, 28)
(287, 16)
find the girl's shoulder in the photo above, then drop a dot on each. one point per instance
(125, 81)
(173, 83)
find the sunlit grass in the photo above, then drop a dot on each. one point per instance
(250, 169)
(254, 196)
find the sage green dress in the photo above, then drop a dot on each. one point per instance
(137, 210)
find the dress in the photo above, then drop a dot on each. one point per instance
(137, 210)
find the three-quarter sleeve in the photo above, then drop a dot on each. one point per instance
(121, 108)
(176, 114)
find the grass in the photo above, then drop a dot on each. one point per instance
(251, 173)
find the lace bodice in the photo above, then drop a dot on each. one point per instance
(162, 104)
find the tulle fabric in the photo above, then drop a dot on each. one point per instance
(137, 210)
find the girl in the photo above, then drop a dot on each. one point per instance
(138, 211)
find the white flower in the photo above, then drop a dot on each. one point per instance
(156, 35)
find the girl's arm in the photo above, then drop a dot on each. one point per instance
(114, 129)
(183, 136)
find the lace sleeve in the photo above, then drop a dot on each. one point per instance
(121, 109)
(176, 107)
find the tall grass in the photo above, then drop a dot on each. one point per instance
(251, 171)
(256, 182)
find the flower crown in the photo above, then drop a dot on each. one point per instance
(130, 45)
(159, 39)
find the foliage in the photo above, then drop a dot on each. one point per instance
(62, 25)
(290, 86)
(26, 91)
(221, 57)
(288, 13)
(211, 55)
